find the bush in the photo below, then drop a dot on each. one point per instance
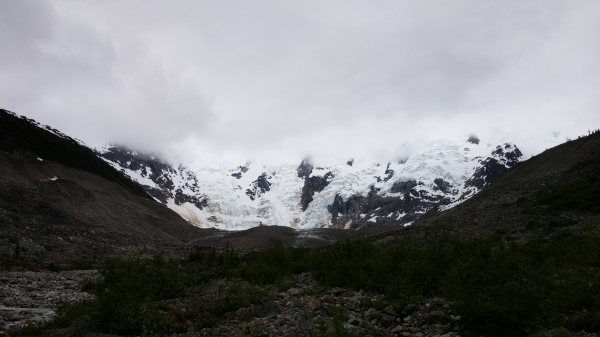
(583, 196)
(498, 286)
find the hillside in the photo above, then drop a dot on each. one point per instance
(519, 258)
(20, 134)
(61, 204)
(555, 191)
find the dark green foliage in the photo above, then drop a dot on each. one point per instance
(533, 224)
(54, 267)
(81, 265)
(274, 263)
(17, 252)
(337, 330)
(127, 290)
(499, 287)
(521, 200)
(561, 223)
(528, 210)
(583, 196)
(215, 264)
(236, 295)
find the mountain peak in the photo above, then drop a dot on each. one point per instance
(307, 195)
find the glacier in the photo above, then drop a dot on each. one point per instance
(350, 193)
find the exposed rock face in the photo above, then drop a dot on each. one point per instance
(313, 184)
(442, 185)
(259, 186)
(160, 173)
(374, 210)
(403, 186)
(242, 169)
(503, 157)
(473, 139)
(410, 199)
(305, 169)
(389, 173)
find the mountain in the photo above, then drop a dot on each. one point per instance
(558, 189)
(351, 194)
(58, 199)
(554, 192)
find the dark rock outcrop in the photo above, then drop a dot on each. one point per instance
(415, 197)
(259, 187)
(305, 169)
(503, 157)
(375, 210)
(311, 185)
(161, 173)
(442, 185)
(473, 139)
(403, 186)
(242, 170)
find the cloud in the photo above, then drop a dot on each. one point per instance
(286, 79)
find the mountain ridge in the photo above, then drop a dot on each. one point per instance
(348, 194)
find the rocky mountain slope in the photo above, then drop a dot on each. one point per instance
(348, 194)
(557, 191)
(57, 199)
(551, 189)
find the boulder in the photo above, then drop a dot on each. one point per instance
(387, 320)
(269, 310)
(436, 316)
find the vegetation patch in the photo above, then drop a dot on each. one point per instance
(498, 287)
(583, 196)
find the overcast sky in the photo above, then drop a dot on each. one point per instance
(285, 79)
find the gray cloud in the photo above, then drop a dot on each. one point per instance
(286, 78)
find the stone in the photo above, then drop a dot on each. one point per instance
(336, 291)
(304, 322)
(293, 291)
(387, 320)
(375, 314)
(269, 310)
(409, 309)
(313, 304)
(396, 329)
(354, 321)
(349, 294)
(436, 316)
(212, 287)
(390, 311)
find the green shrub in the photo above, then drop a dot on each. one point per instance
(583, 196)
(498, 287)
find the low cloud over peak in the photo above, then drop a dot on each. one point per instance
(287, 79)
